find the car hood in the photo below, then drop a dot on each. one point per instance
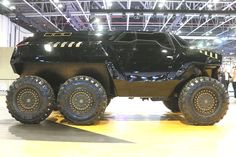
(205, 55)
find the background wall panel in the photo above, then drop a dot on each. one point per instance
(7, 76)
(10, 33)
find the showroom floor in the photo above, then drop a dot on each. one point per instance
(131, 128)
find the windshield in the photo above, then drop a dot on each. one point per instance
(181, 41)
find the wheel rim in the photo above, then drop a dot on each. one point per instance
(27, 99)
(81, 101)
(205, 102)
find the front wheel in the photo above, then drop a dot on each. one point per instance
(203, 101)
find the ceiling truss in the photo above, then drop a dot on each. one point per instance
(188, 18)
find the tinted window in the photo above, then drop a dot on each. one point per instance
(162, 39)
(175, 42)
(144, 36)
(181, 41)
(128, 37)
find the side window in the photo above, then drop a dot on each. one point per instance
(162, 39)
(175, 42)
(144, 36)
(128, 37)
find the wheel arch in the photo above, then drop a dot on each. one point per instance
(102, 76)
(192, 70)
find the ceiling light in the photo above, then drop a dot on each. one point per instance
(209, 32)
(210, 6)
(208, 44)
(215, 1)
(97, 20)
(109, 3)
(56, 1)
(224, 38)
(60, 6)
(100, 27)
(178, 32)
(218, 41)
(200, 45)
(12, 7)
(161, 5)
(6, 3)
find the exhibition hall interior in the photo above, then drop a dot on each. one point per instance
(116, 78)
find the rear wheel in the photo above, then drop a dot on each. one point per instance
(30, 99)
(82, 100)
(172, 104)
(203, 101)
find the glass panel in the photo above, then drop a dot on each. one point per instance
(144, 36)
(128, 37)
(162, 39)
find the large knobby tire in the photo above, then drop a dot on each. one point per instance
(30, 99)
(82, 100)
(172, 104)
(203, 101)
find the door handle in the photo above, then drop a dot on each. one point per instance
(170, 57)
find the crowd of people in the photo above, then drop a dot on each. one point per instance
(227, 77)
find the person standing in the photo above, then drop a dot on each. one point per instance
(234, 80)
(226, 78)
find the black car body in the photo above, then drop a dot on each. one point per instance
(79, 73)
(133, 64)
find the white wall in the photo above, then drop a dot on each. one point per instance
(7, 76)
(10, 33)
(6, 71)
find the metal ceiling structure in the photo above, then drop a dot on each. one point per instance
(211, 20)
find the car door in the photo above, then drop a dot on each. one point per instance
(152, 53)
(165, 50)
(124, 45)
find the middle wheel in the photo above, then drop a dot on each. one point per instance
(82, 100)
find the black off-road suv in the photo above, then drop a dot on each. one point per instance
(81, 72)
